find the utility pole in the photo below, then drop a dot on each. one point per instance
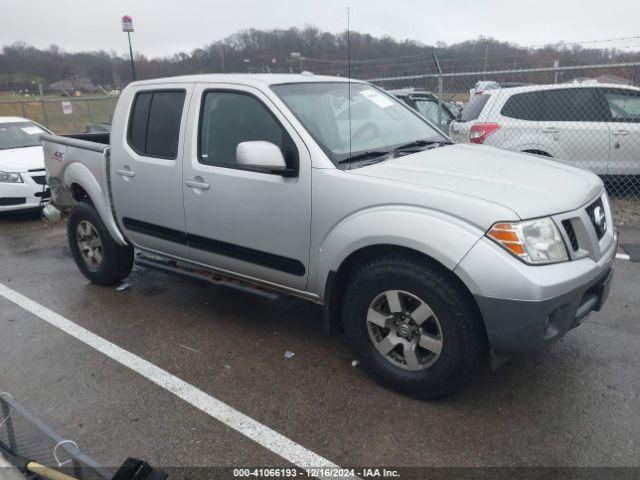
(435, 59)
(222, 58)
(486, 58)
(297, 56)
(127, 26)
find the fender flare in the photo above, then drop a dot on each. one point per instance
(76, 173)
(419, 229)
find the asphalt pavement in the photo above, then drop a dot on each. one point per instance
(575, 404)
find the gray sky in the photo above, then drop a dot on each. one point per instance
(164, 27)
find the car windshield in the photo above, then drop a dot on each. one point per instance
(429, 110)
(19, 135)
(356, 121)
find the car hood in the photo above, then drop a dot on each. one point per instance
(22, 159)
(529, 185)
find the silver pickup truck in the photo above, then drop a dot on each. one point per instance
(427, 254)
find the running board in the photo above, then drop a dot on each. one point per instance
(173, 267)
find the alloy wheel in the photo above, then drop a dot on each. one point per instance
(404, 330)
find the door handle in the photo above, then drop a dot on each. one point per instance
(197, 185)
(125, 172)
(620, 133)
(550, 130)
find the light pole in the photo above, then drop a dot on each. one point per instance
(127, 26)
(297, 56)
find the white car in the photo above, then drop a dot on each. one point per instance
(483, 85)
(23, 178)
(596, 127)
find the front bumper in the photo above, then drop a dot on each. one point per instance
(527, 308)
(518, 326)
(23, 196)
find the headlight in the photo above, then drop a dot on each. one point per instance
(6, 177)
(534, 241)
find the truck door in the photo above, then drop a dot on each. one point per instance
(248, 222)
(146, 169)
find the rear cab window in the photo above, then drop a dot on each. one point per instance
(472, 110)
(154, 123)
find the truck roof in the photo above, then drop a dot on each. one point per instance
(256, 79)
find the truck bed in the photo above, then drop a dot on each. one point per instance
(66, 157)
(78, 170)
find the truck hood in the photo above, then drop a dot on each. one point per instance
(529, 185)
(22, 159)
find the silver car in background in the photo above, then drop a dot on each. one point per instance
(596, 127)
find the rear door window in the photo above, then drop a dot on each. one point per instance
(138, 121)
(473, 109)
(573, 105)
(154, 127)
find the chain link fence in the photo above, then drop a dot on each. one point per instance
(586, 116)
(583, 115)
(64, 115)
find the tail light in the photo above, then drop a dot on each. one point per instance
(480, 131)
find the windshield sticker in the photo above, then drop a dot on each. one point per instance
(32, 130)
(377, 98)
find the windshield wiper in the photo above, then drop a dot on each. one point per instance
(421, 143)
(364, 156)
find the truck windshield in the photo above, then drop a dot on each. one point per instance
(19, 135)
(356, 121)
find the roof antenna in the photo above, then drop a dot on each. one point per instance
(349, 76)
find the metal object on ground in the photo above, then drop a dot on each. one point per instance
(30, 449)
(32, 446)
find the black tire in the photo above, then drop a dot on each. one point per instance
(463, 336)
(116, 260)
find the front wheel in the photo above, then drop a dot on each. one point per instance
(413, 326)
(96, 254)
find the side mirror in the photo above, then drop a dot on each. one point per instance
(262, 156)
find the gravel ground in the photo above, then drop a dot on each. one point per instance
(626, 211)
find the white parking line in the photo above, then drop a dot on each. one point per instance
(623, 256)
(247, 426)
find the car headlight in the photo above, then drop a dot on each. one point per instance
(6, 177)
(535, 242)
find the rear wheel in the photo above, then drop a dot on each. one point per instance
(413, 326)
(98, 257)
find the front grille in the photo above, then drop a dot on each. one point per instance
(598, 217)
(39, 179)
(571, 233)
(5, 202)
